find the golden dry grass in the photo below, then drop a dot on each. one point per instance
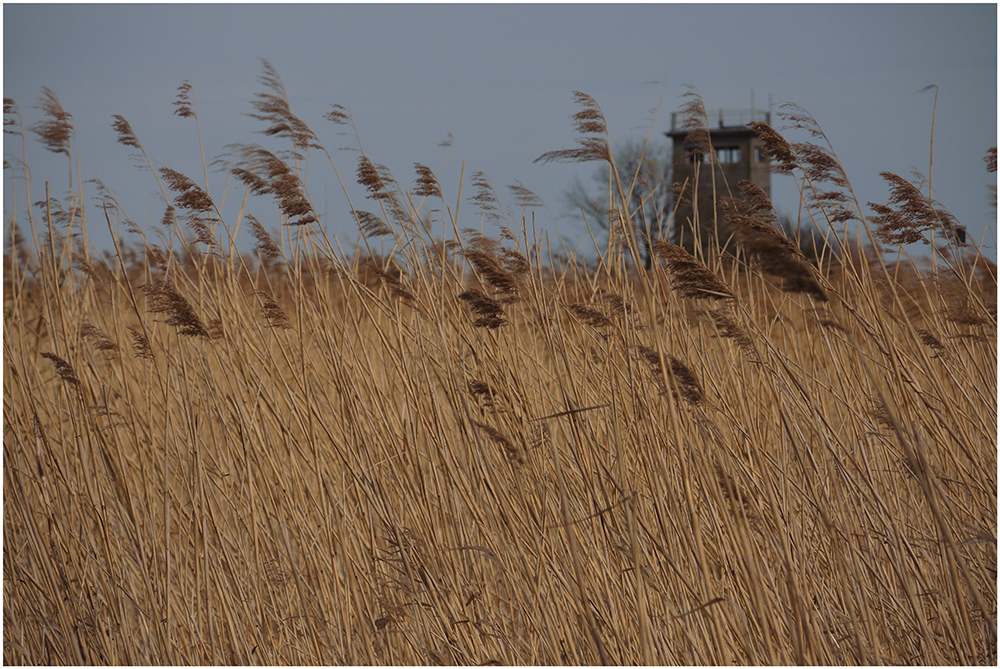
(470, 453)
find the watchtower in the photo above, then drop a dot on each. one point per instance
(737, 151)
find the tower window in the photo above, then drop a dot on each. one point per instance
(729, 154)
(694, 156)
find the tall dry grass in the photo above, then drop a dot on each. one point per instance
(451, 449)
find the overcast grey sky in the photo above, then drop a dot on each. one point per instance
(500, 79)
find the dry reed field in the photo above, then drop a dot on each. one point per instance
(447, 448)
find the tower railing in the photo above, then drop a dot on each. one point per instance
(724, 118)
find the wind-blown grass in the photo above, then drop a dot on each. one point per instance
(468, 451)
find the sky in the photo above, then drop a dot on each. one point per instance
(499, 79)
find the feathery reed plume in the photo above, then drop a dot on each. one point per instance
(370, 177)
(589, 121)
(491, 314)
(10, 107)
(169, 216)
(490, 398)
(215, 329)
(192, 196)
(689, 276)
(619, 307)
(914, 215)
(63, 368)
(203, 234)
(731, 489)
(686, 382)
(930, 341)
(276, 318)
(953, 294)
(427, 183)
(382, 186)
(515, 262)
(273, 108)
(126, 136)
(819, 164)
(588, 315)
(265, 247)
(163, 298)
(694, 119)
(392, 276)
(773, 253)
(774, 147)
(140, 344)
(371, 224)
(485, 197)
(338, 114)
(492, 273)
(769, 251)
(729, 328)
(279, 180)
(184, 104)
(524, 197)
(513, 453)
(156, 258)
(991, 166)
(55, 132)
(102, 342)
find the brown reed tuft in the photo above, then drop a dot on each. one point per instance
(485, 196)
(163, 298)
(694, 119)
(731, 489)
(276, 318)
(126, 136)
(169, 216)
(589, 316)
(63, 368)
(140, 344)
(930, 341)
(10, 107)
(688, 275)
(524, 197)
(184, 103)
(265, 247)
(392, 276)
(954, 296)
(370, 177)
(515, 262)
(102, 342)
(774, 147)
(371, 224)
(54, 132)
(773, 253)
(273, 108)
(589, 121)
(486, 392)
(266, 174)
(427, 183)
(914, 214)
(686, 382)
(492, 273)
(513, 453)
(491, 314)
(192, 196)
(729, 328)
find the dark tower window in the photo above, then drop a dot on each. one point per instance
(729, 154)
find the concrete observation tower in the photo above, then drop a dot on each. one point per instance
(737, 150)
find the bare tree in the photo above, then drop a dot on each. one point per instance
(647, 169)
